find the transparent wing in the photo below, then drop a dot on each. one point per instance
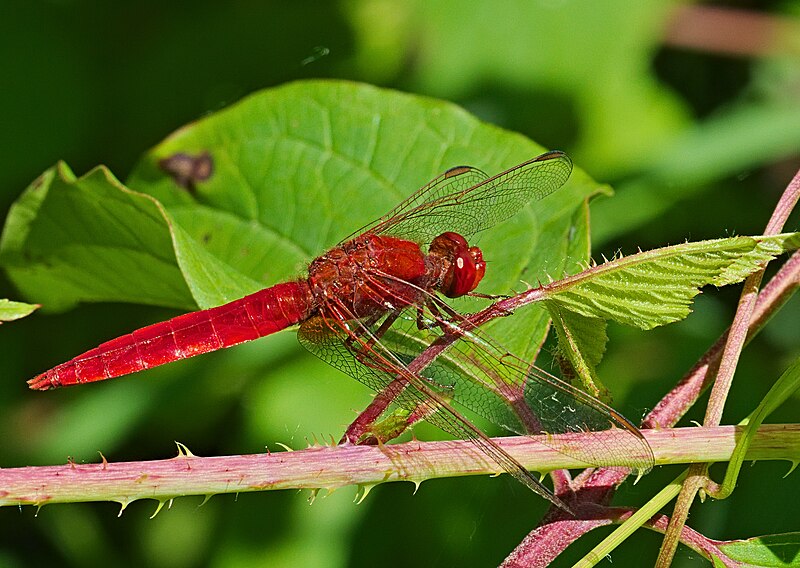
(480, 375)
(353, 349)
(465, 200)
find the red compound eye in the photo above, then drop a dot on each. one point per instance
(467, 266)
(468, 270)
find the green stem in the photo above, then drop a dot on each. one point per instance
(323, 467)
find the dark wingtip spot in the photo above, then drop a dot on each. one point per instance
(187, 170)
(457, 170)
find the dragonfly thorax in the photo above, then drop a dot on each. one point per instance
(369, 275)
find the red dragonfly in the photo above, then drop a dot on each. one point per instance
(372, 304)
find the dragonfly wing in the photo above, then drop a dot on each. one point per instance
(480, 375)
(465, 200)
(454, 181)
(353, 349)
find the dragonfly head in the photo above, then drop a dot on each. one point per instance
(463, 266)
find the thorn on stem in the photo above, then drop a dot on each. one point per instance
(183, 451)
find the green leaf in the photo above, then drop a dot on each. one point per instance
(466, 52)
(10, 311)
(629, 128)
(582, 341)
(212, 281)
(646, 290)
(248, 196)
(783, 388)
(391, 425)
(771, 551)
(654, 288)
(716, 562)
(298, 168)
(71, 239)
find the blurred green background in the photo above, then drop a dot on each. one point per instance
(696, 124)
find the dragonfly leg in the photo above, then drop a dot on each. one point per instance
(488, 296)
(361, 342)
(444, 317)
(355, 340)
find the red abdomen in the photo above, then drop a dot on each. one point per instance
(263, 313)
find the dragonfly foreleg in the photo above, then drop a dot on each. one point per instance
(494, 297)
(361, 339)
(449, 321)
